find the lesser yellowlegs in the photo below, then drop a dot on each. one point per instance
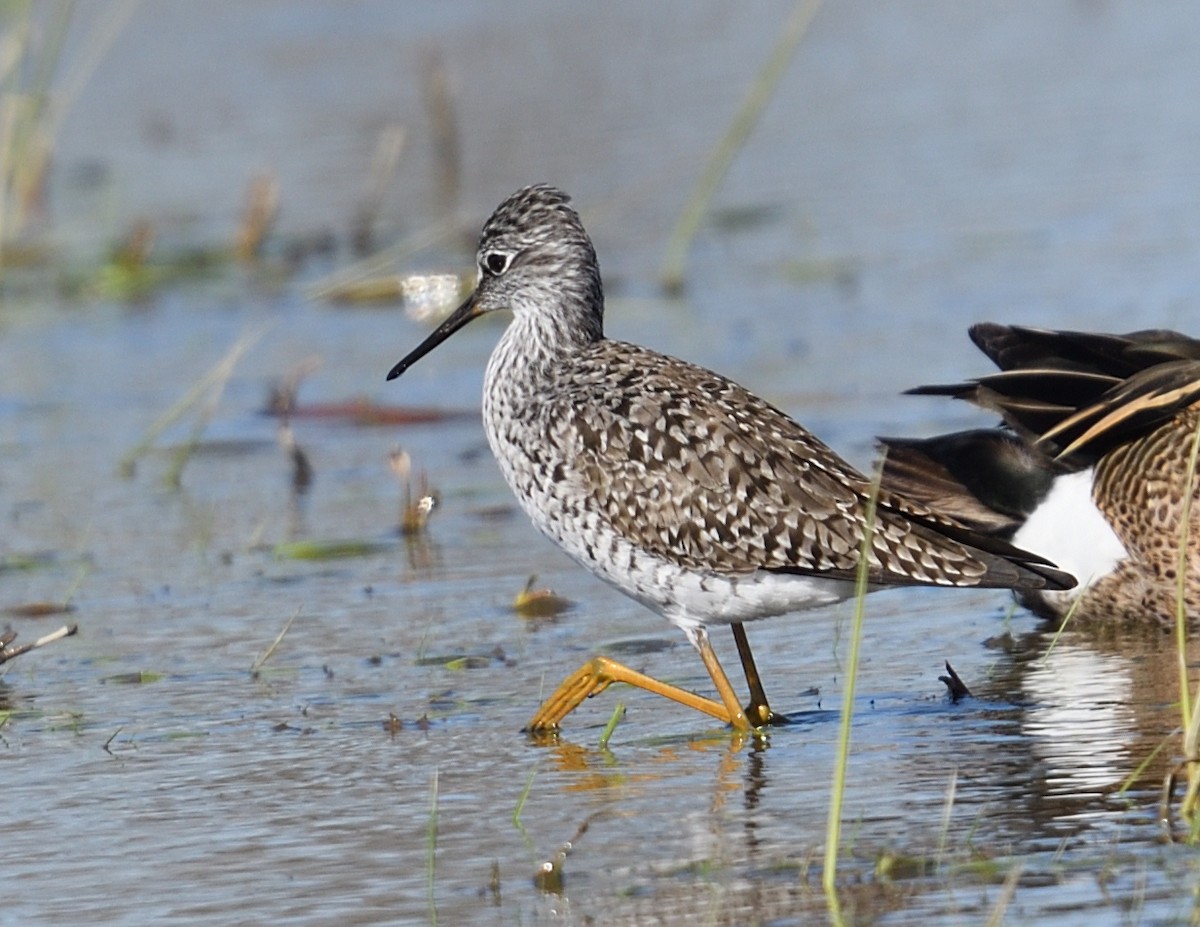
(1091, 470)
(682, 489)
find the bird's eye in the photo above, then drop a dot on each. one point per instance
(496, 262)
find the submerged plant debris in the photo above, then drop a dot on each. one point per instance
(139, 678)
(39, 609)
(327, 549)
(540, 603)
(9, 649)
(954, 684)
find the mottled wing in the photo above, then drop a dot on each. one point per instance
(697, 470)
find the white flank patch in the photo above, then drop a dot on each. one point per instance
(1069, 530)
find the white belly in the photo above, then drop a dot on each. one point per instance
(689, 597)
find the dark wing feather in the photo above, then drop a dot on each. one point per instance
(1077, 395)
(1129, 411)
(988, 479)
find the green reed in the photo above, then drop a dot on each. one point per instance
(1189, 716)
(731, 142)
(833, 829)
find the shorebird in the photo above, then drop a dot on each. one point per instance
(676, 485)
(1091, 469)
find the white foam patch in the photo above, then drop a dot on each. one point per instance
(1069, 530)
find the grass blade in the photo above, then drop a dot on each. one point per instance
(215, 379)
(258, 664)
(606, 734)
(432, 844)
(833, 830)
(1190, 717)
(735, 137)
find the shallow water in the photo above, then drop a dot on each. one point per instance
(917, 170)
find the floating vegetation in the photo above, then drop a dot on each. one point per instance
(364, 412)
(335, 549)
(42, 609)
(464, 661)
(124, 280)
(39, 609)
(135, 268)
(13, 563)
(741, 218)
(282, 402)
(540, 603)
(894, 866)
(142, 677)
(127, 274)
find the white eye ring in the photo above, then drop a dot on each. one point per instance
(495, 262)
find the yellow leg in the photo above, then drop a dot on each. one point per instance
(597, 675)
(733, 707)
(600, 672)
(758, 711)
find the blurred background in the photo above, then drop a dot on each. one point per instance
(912, 171)
(223, 222)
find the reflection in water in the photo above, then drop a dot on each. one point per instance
(1089, 710)
(1037, 760)
(748, 861)
(597, 769)
(423, 556)
(1080, 719)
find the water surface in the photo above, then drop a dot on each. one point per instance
(917, 170)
